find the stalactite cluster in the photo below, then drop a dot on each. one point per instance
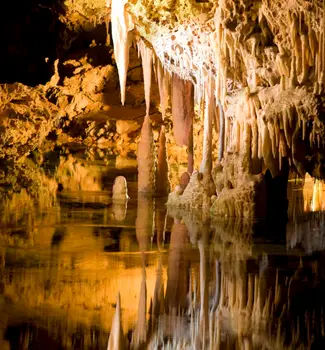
(258, 65)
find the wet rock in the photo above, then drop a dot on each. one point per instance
(192, 197)
(120, 189)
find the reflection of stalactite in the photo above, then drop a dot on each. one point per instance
(204, 293)
(157, 307)
(116, 339)
(139, 335)
(178, 279)
(308, 232)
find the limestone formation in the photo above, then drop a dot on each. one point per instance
(261, 63)
(120, 189)
(26, 118)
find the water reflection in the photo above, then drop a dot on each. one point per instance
(83, 272)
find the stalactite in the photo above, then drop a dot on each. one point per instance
(286, 127)
(162, 181)
(255, 137)
(293, 73)
(272, 137)
(121, 27)
(182, 110)
(146, 161)
(268, 152)
(222, 131)
(146, 56)
(304, 55)
(209, 109)
(163, 85)
(237, 138)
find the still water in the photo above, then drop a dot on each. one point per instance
(184, 282)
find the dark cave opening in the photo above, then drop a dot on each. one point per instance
(29, 35)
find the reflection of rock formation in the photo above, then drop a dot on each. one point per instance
(28, 192)
(120, 198)
(307, 232)
(221, 290)
(116, 339)
(248, 303)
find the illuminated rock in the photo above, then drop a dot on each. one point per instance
(120, 189)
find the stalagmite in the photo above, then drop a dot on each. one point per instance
(121, 27)
(120, 189)
(162, 181)
(116, 339)
(146, 56)
(146, 161)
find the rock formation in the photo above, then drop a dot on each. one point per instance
(240, 85)
(261, 63)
